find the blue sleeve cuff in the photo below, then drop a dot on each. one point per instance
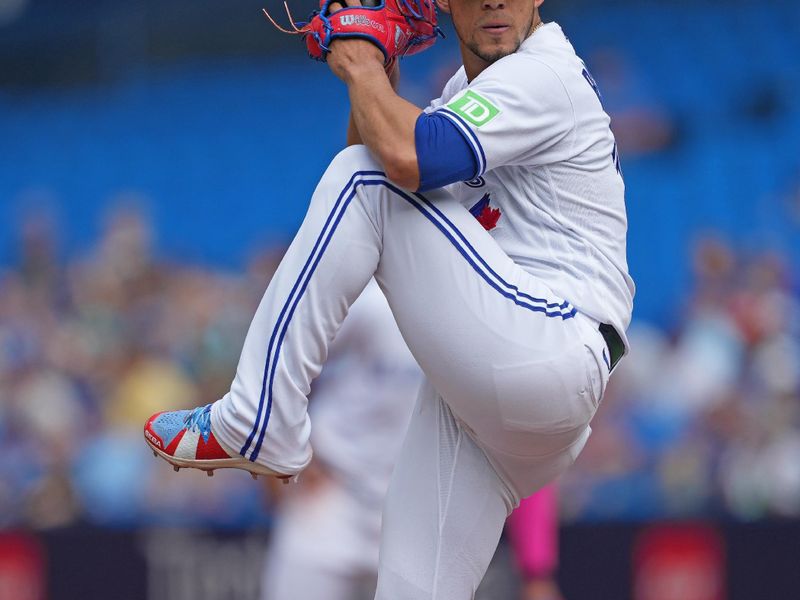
(444, 155)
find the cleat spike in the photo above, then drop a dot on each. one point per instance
(176, 468)
(155, 453)
(254, 475)
(210, 472)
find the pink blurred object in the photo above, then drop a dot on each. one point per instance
(533, 531)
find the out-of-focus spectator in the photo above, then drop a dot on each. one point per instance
(703, 419)
(706, 419)
(88, 349)
(327, 534)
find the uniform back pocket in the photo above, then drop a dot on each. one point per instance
(551, 396)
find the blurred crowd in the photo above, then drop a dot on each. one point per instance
(89, 348)
(702, 420)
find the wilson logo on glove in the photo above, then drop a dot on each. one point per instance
(397, 27)
(361, 20)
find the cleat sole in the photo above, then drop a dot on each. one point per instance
(209, 466)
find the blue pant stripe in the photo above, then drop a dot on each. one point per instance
(285, 327)
(480, 259)
(246, 446)
(294, 300)
(514, 294)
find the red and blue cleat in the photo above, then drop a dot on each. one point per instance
(184, 439)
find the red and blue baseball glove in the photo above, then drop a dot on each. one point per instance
(397, 27)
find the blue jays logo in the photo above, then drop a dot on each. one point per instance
(476, 183)
(486, 215)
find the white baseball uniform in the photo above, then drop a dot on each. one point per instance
(503, 323)
(324, 544)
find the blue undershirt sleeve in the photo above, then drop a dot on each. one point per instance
(443, 154)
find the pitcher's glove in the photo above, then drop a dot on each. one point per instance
(397, 27)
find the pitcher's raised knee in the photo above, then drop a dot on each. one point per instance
(352, 160)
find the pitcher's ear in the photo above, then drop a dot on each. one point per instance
(444, 5)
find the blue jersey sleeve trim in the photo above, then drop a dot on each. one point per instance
(466, 130)
(444, 153)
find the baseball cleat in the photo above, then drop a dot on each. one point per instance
(184, 439)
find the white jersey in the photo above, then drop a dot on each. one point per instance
(548, 161)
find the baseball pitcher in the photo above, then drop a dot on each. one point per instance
(494, 222)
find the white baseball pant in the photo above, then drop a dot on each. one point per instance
(514, 372)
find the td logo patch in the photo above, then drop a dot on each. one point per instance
(474, 108)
